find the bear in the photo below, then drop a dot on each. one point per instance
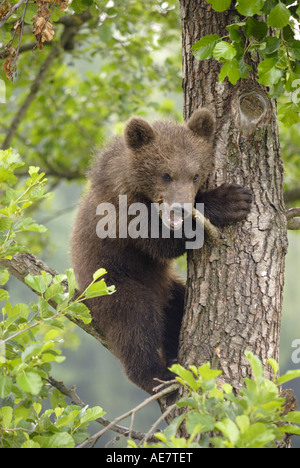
(162, 162)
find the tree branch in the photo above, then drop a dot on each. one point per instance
(67, 36)
(23, 264)
(293, 219)
(30, 97)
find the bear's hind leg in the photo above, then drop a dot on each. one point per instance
(136, 334)
(173, 318)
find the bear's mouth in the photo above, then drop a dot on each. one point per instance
(172, 219)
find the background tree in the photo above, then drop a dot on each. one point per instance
(91, 75)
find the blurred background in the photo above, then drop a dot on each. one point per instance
(126, 62)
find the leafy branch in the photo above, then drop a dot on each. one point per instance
(266, 29)
(211, 415)
(71, 29)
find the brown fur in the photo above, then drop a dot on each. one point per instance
(141, 320)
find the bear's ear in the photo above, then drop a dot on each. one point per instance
(138, 133)
(202, 123)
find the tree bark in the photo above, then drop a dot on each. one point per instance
(234, 286)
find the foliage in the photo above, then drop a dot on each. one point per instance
(290, 149)
(217, 418)
(264, 29)
(15, 199)
(122, 54)
(30, 334)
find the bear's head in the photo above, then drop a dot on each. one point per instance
(169, 162)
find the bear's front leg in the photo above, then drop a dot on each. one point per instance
(226, 204)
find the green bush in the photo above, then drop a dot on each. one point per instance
(33, 414)
(213, 416)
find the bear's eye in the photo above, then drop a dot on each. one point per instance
(196, 178)
(166, 178)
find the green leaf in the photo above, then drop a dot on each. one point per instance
(33, 349)
(203, 49)
(91, 414)
(219, 5)
(256, 365)
(243, 422)
(28, 224)
(44, 308)
(224, 51)
(294, 48)
(289, 429)
(207, 373)
(257, 29)
(37, 283)
(231, 70)
(227, 388)
(269, 46)
(234, 32)
(99, 289)
(173, 426)
(279, 16)
(6, 416)
(289, 114)
(274, 365)
(53, 290)
(292, 417)
(80, 311)
(268, 73)
(5, 223)
(99, 273)
(4, 295)
(290, 375)
(4, 276)
(185, 401)
(185, 376)
(30, 444)
(30, 382)
(5, 386)
(249, 8)
(71, 281)
(59, 440)
(229, 429)
(257, 435)
(205, 422)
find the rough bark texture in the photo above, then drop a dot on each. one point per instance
(235, 287)
(234, 294)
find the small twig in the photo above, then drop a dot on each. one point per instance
(11, 12)
(15, 59)
(209, 228)
(131, 425)
(75, 399)
(146, 402)
(154, 426)
(293, 218)
(163, 384)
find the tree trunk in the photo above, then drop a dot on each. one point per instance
(235, 286)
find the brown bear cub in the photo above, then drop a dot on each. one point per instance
(163, 162)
